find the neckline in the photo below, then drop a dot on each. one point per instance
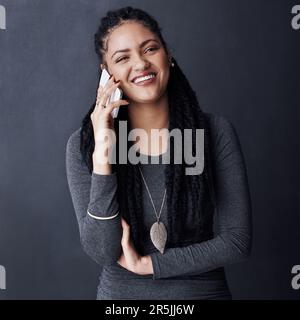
(143, 155)
(150, 155)
(146, 159)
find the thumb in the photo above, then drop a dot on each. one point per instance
(126, 233)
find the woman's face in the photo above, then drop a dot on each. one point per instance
(134, 51)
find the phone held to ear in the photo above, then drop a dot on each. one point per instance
(116, 95)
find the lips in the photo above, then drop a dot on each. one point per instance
(143, 75)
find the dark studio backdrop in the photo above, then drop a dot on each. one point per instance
(242, 59)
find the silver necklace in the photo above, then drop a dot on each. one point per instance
(158, 231)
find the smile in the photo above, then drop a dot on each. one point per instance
(142, 81)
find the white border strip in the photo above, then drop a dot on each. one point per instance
(102, 218)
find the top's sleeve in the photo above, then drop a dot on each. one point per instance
(96, 193)
(233, 240)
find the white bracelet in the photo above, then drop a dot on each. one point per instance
(102, 218)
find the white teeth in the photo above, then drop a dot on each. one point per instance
(137, 80)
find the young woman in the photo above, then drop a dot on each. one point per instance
(118, 204)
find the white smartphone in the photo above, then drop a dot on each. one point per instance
(116, 95)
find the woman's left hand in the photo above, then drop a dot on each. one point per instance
(130, 259)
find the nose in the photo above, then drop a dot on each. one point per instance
(140, 63)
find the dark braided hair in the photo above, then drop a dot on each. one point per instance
(185, 113)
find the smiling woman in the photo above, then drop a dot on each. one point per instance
(144, 222)
(142, 69)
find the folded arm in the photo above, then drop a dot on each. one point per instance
(232, 243)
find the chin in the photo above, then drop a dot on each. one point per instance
(147, 98)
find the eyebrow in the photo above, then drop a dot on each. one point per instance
(141, 45)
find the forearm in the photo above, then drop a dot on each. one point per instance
(224, 249)
(101, 239)
(100, 229)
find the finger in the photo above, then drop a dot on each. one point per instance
(101, 88)
(109, 83)
(105, 95)
(108, 92)
(102, 102)
(106, 86)
(116, 104)
(112, 87)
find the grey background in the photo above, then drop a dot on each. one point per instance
(242, 59)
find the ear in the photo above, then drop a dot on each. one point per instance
(104, 66)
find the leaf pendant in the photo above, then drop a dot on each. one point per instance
(158, 235)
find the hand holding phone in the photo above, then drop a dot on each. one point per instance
(116, 95)
(103, 114)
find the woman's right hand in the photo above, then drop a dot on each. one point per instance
(102, 120)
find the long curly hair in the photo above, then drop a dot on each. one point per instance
(185, 113)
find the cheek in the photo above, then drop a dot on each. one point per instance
(164, 61)
(164, 66)
(117, 72)
(165, 74)
(118, 75)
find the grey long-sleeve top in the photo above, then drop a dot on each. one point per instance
(192, 272)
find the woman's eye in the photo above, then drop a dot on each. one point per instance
(124, 58)
(121, 59)
(152, 49)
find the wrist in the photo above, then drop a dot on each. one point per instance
(100, 166)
